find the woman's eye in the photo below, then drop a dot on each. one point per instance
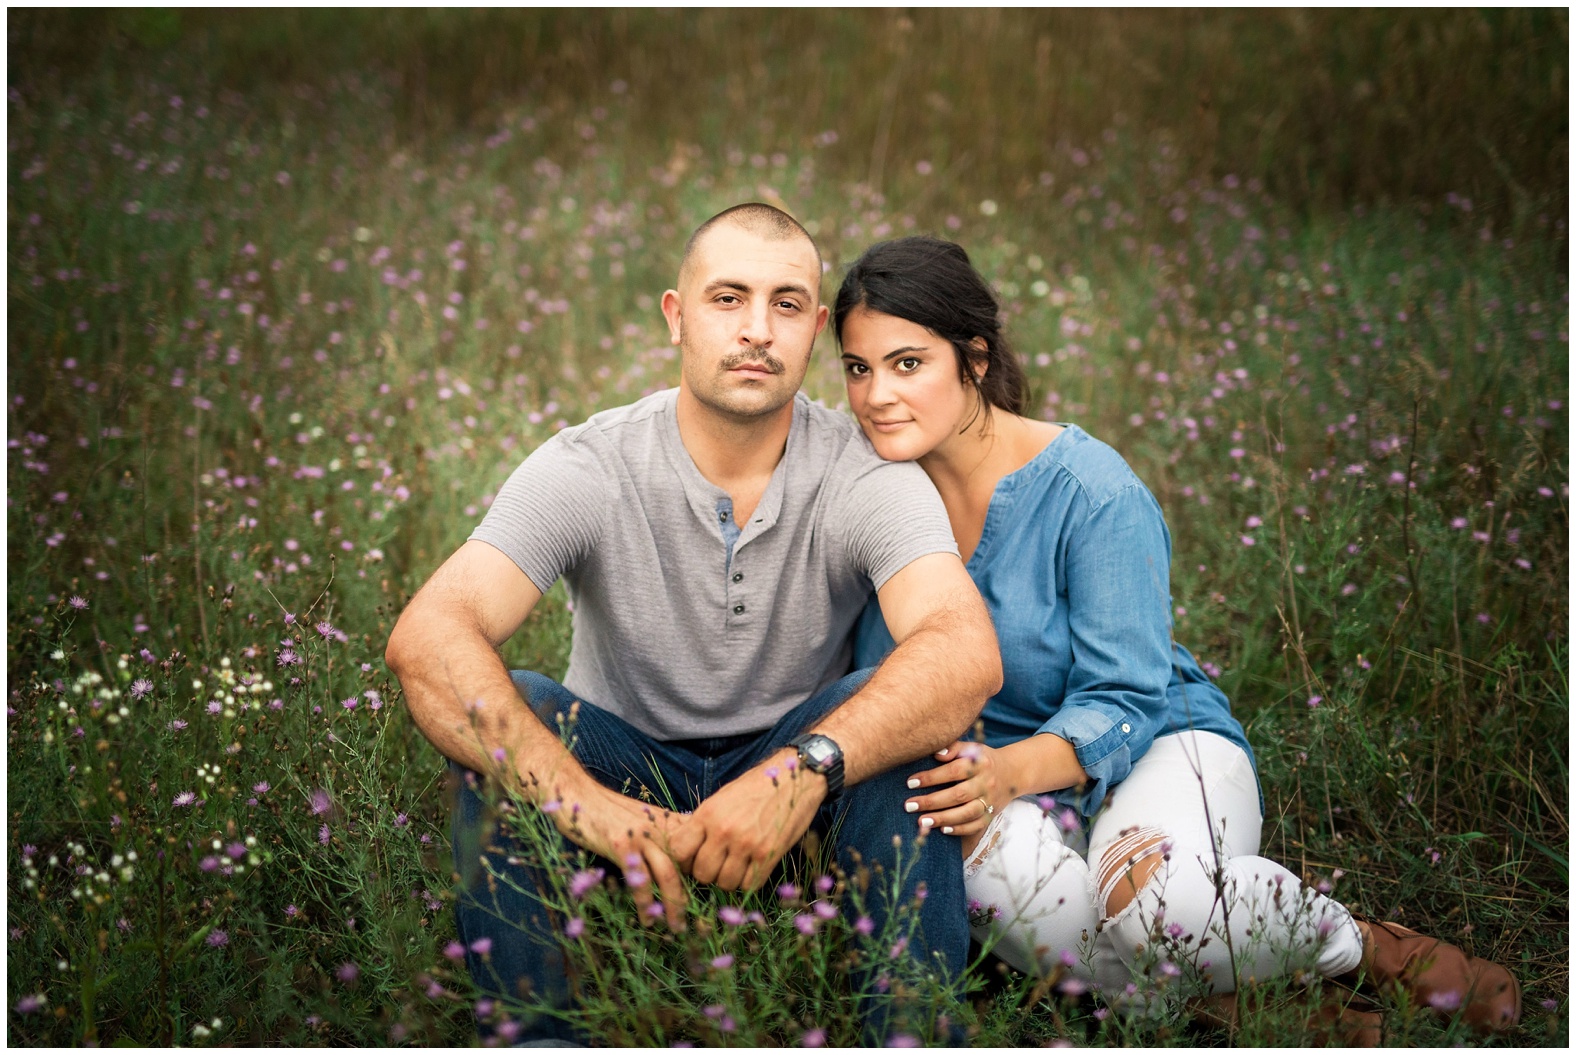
(855, 369)
(907, 365)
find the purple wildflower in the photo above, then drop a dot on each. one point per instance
(185, 798)
(481, 946)
(813, 1038)
(320, 802)
(723, 962)
(78, 603)
(140, 688)
(28, 1004)
(902, 1040)
(323, 835)
(582, 883)
(804, 923)
(348, 972)
(574, 928)
(733, 917)
(865, 925)
(218, 939)
(326, 629)
(261, 787)
(454, 951)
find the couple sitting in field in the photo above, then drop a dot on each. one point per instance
(763, 586)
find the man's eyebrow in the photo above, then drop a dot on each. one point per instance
(745, 287)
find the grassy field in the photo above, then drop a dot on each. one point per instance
(290, 295)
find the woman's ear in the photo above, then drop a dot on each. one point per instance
(982, 364)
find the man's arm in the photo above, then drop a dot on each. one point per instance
(444, 652)
(932, 686)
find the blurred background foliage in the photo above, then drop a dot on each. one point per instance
(1327, 107)
(291, 292)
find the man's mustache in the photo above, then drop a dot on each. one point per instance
(754, 354)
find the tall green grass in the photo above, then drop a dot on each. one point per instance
(1308, 317)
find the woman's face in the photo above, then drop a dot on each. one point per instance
(903, 385)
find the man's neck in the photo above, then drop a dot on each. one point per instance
(735, 454)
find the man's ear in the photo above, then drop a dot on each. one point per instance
(673, 311)
(821, 315)
(979, 366)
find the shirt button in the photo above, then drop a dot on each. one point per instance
(1126, 728)
(738, 609)
(722, 517)
(738, 576)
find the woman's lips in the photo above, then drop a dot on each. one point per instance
(889, 426)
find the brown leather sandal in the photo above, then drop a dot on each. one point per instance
(1439, 976)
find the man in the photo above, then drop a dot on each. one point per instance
(718, 541)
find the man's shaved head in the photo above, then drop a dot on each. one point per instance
(756, 217)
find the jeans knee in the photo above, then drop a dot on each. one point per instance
(1128, 866)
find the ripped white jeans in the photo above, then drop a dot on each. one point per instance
(1213, 907)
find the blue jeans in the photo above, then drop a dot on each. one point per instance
(526, 955)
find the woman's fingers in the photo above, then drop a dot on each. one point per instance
(946, 798)
(957, 769)
(967, 819)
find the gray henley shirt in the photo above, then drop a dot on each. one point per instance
(686, 624)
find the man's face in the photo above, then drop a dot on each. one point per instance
(745, 317)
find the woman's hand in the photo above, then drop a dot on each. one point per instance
(980, 783)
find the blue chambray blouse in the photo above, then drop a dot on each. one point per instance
(1075, 565)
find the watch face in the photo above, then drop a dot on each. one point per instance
(820, 753)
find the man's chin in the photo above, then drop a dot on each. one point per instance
(747, 404)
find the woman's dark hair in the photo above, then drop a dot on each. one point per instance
(930, 281)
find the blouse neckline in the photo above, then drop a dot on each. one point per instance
(1001, 497)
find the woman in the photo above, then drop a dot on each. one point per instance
(1110, 819)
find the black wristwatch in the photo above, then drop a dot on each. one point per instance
(820, 754)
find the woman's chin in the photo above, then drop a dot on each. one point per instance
(898, 448)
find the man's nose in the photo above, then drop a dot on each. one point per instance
(757, 327)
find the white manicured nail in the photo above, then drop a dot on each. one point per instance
(913, 782)
(911, 807)
(946, 830)
(926, 823)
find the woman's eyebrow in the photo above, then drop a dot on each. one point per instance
(905, 350)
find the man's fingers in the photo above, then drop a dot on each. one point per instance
(684, 842)
(670, 884)
(734, 873)
(708, 862)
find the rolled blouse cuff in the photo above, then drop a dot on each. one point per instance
(1101, 736)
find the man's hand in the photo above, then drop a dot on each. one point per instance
(735, 838)
(634, 835)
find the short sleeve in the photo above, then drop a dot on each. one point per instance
(548, 515)
(889, 517)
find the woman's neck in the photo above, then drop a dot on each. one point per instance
(974, 462)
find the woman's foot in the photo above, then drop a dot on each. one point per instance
(1438, 975)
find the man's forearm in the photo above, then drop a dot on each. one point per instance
(924, 696)
(462, 699)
